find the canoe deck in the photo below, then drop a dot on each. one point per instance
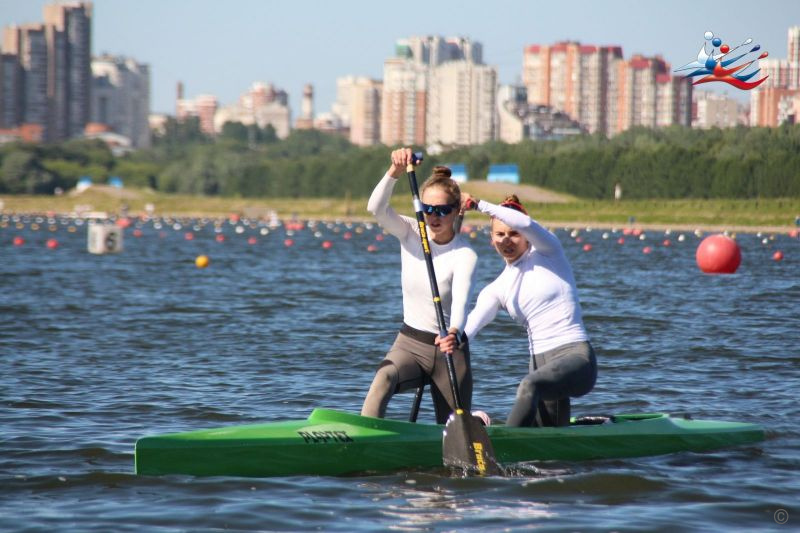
(337, 443)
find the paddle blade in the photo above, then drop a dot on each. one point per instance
(465, 444)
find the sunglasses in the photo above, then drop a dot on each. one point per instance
(438, 210)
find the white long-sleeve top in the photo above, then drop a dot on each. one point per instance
(538, 289)
(454, 264)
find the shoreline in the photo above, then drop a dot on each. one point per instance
(754, 215)
(589, 225)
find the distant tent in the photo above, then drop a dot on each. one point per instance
(459, 172)
(115, 181)
(507, 173)
(84, 182)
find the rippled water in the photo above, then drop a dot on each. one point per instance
(96, 351)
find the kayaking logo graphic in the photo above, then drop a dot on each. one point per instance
(714, 65)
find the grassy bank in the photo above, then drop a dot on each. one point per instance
(754, 213)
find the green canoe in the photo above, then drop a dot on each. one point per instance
(335, 443)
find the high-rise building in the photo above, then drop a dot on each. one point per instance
(406, 85)
(28, 45)
(404, 105)
(648, 95)
(774, 101)
(69, 43)
(10, 91)
(574, 78)
(461, 104)
(358, 108)
(51, 87)
(121, 97)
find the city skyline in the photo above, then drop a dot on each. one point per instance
(291, 45)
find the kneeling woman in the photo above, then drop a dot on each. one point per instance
(537, 288)
(413, 357)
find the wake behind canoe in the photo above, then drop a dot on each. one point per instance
(336, 443)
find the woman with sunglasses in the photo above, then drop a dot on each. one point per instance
(537, 288)
(413, 357)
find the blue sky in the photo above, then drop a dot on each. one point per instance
(221, 47)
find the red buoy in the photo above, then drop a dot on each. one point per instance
(52, 244)
(288, 242)
(718, 254)
(777, 256)
(18, 241)
(327, 244)
(587, 247)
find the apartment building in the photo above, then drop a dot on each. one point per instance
(358, 108)
(46, 73)
(411, 81)
(121, 97)
(577, 79)
(461, 104)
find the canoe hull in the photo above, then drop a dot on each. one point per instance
(336, 443)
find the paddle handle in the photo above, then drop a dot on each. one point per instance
(416, 158)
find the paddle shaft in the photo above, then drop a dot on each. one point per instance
(437, 301)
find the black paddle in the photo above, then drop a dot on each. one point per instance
(465, 443)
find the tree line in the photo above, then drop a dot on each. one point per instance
(247, 161)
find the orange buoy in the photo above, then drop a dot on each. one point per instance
(777, 256)
(201, 261)
(372, 248)
(718, 254)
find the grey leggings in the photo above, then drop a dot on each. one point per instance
(555, 376)
(408, 363)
